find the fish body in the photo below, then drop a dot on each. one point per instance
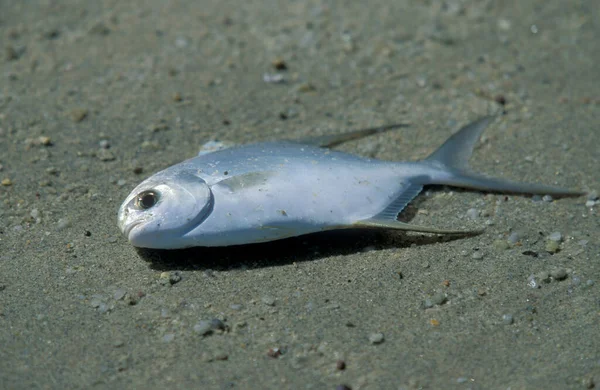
(269, 191)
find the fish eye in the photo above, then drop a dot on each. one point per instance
(146, 199)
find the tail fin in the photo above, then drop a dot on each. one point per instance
(453, 158)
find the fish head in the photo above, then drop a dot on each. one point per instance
(159, 211)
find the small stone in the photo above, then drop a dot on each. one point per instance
(203, 328)
(104, 144)
(6, 182)
(543, 276)
(78, 114)
(119, 294)
(63, 223)
(439, 299)
(46, 141)
(588, 383)
(376, 338)
(514, 237)
(532, 282)
(507, 319)
(275, 78)
(11, 53)
(504, 24)
(279, 64)
(105, 155)
(221, 356)
(473, 213)
(589, 283)
(552, 246)
(274, 353)
(547, 198)
(177, 97)
(592, 195)
(477, 255)
(269, 301)
(558, 273)
(168, 337)
(590, 203)
(555, 236)
(462, 379)
(500, 245)
(306, 87)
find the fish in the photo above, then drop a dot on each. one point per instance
(268, 191)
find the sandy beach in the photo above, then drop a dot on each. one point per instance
(97, 96)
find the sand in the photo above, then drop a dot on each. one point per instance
(96, 96)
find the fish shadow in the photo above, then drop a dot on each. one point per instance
(287, 251)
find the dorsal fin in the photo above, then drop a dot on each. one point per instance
(330, 140)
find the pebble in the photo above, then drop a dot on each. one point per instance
(552, 246)
(269, 301)
(593, 195)
(507, 319)
(473, 213)
(104, 144)
(555, 236)
(547, 198)
(532, 282)
(170, 277)
(590, 203)
(274, 78)
(589, 283)
(514, 237)
(477, 255)
(376, 338)
(78, 114)
(558, 273)
(501, 245)
(119, 294)
(6, 182)
(543, 276)
(439, 299)
(203, 328)
(168, 337)
(63, 223)
(105, 155)
(462, 379)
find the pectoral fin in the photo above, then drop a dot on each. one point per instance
(246, 180)
(397, 225)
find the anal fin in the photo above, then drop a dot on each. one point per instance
(408, 193)
(397, 225)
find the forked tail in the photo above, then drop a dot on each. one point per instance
(453, 158)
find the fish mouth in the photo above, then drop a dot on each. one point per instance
(127, 229)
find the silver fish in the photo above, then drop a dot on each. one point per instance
(269, 191)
